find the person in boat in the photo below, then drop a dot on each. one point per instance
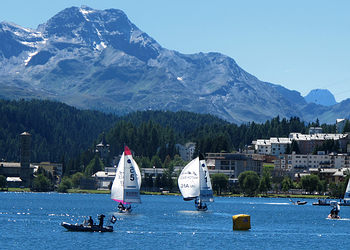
(121, 206)
(101, 218)
(199, 205)
(90, 222)
(335, 211)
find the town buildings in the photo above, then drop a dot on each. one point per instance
(333, 166)
(21, 174)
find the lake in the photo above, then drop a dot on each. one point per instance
(32, 221)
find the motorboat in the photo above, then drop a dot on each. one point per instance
(86, 228)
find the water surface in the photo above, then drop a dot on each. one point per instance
(32, 221)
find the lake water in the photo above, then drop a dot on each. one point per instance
(32, 221)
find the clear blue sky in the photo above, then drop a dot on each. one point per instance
(299, 44)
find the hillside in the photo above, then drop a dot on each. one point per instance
(58, 130)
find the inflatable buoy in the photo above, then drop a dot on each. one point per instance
(241, 222)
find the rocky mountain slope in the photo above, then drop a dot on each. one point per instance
(321, 96)
(98, 59)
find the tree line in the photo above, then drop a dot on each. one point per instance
(67, 135)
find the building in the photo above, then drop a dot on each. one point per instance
(103, 150)
(302, 163)
(104, 179)
(315, 130)
(186, 151)
(55, 169)
(13, 173)
(330, 174)
(20, 173)
(26, 173)
(262, 146)
(273, 146)
(308, 143)
(232, 164)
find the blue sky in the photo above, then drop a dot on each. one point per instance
(301, 45)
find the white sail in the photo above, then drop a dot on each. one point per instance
(189, 180)
(194, 181)
(127, 181)
(117, 191)
(347, 192)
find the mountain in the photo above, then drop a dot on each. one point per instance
(320, 96)
(98, 59)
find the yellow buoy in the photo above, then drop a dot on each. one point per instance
(241, 222)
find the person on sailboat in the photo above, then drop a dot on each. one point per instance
(199, 205)
(121, 206)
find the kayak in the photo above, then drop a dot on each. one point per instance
(85, 228)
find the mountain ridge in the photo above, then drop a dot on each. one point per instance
(98, 59)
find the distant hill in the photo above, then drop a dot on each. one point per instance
(99, 59)
(321, 96)
(58, 130)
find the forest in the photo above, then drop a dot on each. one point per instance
(58, 131)
(67, 135)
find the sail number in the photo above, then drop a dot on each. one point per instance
(132, 173)
(186, 186)
(205, 176)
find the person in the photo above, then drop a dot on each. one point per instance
(335, 211)
(121, 206)
(90, 222)
(205, 206)
(101, 217)
(113, 219)
(196, 203)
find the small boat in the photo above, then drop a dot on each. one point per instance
(301, 202)
(298, 202)
(86, 228)
(322, 202)
(127, 182)
(194, 183)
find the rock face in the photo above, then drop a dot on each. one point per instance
(98, 59)
(321, 96)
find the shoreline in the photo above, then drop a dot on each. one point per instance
(90, 191)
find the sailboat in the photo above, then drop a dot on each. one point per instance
(194, 183)
(346, 201)
(127, 182)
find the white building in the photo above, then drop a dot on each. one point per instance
(303, 162)
(262, 147)
(274, 146)
(186, 151)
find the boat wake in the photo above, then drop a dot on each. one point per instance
(343, 219)
(275, 203)
(192, 212)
